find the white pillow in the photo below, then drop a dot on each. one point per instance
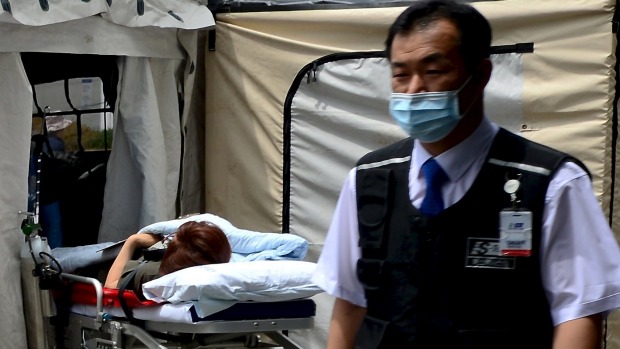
(263, 281)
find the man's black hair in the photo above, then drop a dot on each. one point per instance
(475, 40)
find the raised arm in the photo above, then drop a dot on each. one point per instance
(132, 243)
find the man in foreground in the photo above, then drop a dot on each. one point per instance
(463, 235)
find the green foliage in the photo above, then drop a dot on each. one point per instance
(91, 139)
(99, 140)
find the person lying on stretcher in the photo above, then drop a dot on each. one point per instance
(194, 243)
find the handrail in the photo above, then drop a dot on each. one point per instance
(98, 290)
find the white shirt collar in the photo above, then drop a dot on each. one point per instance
(461, 157)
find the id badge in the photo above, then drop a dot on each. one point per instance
(515, 237)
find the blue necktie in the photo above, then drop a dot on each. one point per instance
(435, 177)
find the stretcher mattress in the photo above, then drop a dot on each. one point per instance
(185, 313)
(84, 299)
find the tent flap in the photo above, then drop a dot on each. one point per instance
(184, 14)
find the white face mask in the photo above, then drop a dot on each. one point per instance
(427, 116)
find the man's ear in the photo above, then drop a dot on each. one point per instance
(483, 73)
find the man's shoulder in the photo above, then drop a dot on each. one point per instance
(400, 149)
(507, 140)
(512, 147)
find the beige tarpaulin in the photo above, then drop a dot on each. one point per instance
(565, 99)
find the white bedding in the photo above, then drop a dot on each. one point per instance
(209, 286)
(213, 288)
(161, 313)
(247, 245)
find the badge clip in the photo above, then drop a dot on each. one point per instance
(515, 224)
(511, 187)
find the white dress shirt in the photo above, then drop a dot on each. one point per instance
(580, 257)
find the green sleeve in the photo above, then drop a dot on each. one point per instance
(146, 273)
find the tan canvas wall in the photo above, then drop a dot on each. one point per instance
(567, 93)
(567, 96)
(256, 59)
(569, 80)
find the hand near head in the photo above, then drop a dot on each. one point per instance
(134, 242)
(143, 240)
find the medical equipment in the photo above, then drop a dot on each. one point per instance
(38, 305)
(96, 321)
(35, 257)
(276, 300)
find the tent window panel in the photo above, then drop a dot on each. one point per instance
(333, 121)
(338, 111)
(75, 95)
(504, 105)
(93, 130)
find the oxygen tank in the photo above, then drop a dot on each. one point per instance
(38, 305)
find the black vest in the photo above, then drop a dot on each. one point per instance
(441, 282)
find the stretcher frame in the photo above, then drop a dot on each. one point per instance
(103, 332)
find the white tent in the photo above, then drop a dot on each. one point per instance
(155, 46)
(279, 141)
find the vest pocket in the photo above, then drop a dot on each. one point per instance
(370, 272)
(375, 187)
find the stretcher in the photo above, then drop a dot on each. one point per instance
(76, 311)
(96, 320)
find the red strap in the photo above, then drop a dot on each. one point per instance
(85, 294)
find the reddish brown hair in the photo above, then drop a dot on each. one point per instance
(195, 243)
